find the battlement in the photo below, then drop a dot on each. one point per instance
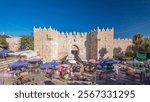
(93, 33)
(120, 39)
(44, 29)
(67, 34)
(74, 33)
(102, 30)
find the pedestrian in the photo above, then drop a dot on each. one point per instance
(100, 76)
(81, 68)
(148, 78)
(141, 77)
(116, 72)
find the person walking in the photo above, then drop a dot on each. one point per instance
(81, 68)
(116, 72)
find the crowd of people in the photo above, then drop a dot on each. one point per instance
(76, 71)
(70, 72)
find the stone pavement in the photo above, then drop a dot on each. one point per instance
(122, 79)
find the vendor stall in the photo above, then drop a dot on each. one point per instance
(18, 64)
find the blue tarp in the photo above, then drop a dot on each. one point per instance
(18, 64)
(107, 62)
(53, 64)
(4, 52)
(112, 62)
(45, 66)
(34, 60)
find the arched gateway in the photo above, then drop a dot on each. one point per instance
(75, 50)
(53, 44)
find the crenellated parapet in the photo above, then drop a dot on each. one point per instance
(106, 30)
(122, 43)
(121, 39)
(69, 34)
(63, 34)
(45, 29)
(74, 34)
(103, 30)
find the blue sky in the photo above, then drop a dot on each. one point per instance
(128, 17)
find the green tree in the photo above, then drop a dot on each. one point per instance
(3, 42)
(140, 44)
(27, 43)
(145, 45)
(137, 40)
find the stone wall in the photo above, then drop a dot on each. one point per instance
(51, 44)
(67, 40)
(13, 43)
(121, 45)
(100, 43)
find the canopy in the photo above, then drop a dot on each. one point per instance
(112, 61)
(47, 66)
(34, 60)
(18, 64)
(70, 57)
(54, 64)
(72, 61)
(4, 52)
(107, 62)
(27, 53)
(135, 62)
(142, 56)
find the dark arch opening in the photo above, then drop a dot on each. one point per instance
(75, 50)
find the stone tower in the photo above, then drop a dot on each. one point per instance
(101, 43)
(105, 39)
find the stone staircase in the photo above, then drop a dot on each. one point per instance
(4, 64)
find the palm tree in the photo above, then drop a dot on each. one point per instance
(137, 40)
(145, 45)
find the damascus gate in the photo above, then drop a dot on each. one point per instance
(51, 44)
